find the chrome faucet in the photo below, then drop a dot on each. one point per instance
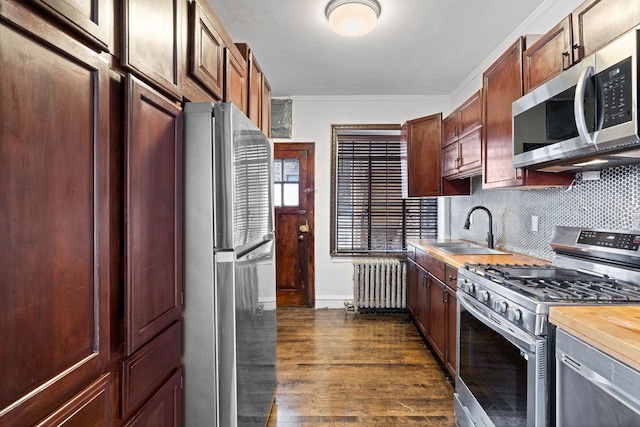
(467, 223)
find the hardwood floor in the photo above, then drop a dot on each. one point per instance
(335, 368)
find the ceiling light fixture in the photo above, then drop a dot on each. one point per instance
(352, 18)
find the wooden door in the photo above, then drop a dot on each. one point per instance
(54, 217)
(294, 211)
(154, 214)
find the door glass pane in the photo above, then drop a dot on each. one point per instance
(291, 194)
(292, 170)
(277, 194)
(277, 170)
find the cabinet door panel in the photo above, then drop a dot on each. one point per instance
(597, 22)
(206, 51)
(266, 107)
(471, 152)
(93, 18)
(423, 142)
(153, 41)
(450, 160)
(437, 317)
(54, 216)
(149, 367)
(235, 81)
(502, 84)
(255, 92)
(154, 214)
(470, 114)
(452, 327)
(164, 408)
(450, 129)
(548, 56)
(90, 408)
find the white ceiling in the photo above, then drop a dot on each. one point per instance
(419, 47)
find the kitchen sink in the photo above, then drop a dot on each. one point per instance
(470, 250)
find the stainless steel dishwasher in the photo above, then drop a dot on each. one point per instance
(592, 388)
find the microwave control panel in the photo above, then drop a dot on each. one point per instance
(617, 90)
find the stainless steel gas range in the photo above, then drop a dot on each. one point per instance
(505, 342)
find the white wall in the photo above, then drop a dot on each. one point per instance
(312, 120)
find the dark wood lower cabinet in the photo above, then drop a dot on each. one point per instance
(89, 408)
(432, 303)
(437, 317)
(164, 408)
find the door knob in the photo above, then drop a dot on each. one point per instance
(301, 237)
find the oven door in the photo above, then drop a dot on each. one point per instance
(501, 371)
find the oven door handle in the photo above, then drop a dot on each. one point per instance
(522, 341)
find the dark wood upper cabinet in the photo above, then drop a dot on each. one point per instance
(153, 213)
(153, 42)
(462, 139)
(421, 143)
(502, 84)
(597, 22)
(266, 107)
(235, 78)
(549, 56)
(206, 49)
(54, 216)
(93, 19)
(258, 91)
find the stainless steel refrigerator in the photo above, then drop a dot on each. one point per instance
(229, 295)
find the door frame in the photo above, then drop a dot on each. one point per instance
(309, 147)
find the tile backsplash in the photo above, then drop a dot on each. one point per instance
(608, 203)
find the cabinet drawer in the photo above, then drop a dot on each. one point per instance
(88, 408)
(431, 264)
(149, 367)
(451, 276)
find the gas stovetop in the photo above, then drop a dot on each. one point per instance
(556, 284)
(589, 267)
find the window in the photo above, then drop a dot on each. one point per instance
(286, 182)
(368, 214)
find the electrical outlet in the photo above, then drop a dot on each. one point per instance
(535, 223)
(635, 221)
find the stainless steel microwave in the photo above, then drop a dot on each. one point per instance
(585, 118)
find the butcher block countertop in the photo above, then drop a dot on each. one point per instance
(613, 329)
(457, 261)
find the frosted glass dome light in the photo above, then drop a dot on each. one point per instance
(352, 18)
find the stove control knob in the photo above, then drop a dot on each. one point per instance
(517, 315)
(483, 296)
(468, 286)
(501, 306)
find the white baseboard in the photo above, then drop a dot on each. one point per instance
(332, 301)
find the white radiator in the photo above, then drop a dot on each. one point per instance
(379, 283)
